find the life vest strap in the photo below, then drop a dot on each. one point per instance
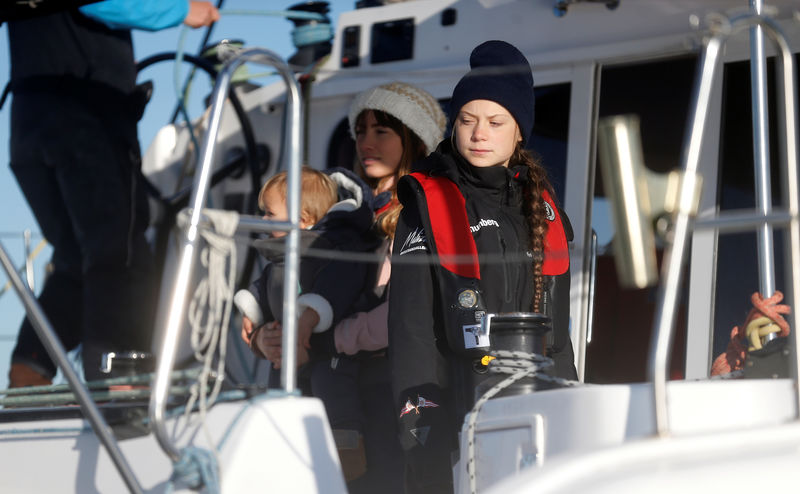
(556, 251)
(450, 226)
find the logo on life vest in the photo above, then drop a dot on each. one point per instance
(548, 211)
(414, 241)
(482, 223)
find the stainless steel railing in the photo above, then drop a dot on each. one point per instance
(675, 252)
(758, 88)
(175, 318)
(46, 333)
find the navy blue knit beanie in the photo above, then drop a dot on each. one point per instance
(500, 73)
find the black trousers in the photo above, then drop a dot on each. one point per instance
(357, 395)
(77, 162)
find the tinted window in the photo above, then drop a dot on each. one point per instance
(737, 275)
(659, 93)
(392, 41)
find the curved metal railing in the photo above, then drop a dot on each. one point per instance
(46, 333)
(175, 318)
(675, 252)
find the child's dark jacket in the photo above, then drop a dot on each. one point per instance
(330, 285)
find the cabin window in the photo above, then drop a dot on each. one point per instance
(351, 43)
(737, 275)
(392, 41)
(659, 93)
(550, 130)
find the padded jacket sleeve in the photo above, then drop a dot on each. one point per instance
(363, 331)
(418, 367)
(340, 284)
(561, 349)
(260, 288)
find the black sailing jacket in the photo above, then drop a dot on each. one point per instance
(434, 385)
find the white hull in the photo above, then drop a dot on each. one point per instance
(545, 434)
(265, 444)
(761, 459)
(724, 436)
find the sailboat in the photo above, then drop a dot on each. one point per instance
(660, 94)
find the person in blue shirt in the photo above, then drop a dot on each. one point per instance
(75, 154)
(151, 15)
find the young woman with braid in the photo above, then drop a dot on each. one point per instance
(483, 198)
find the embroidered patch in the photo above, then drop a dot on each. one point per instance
(415, 241)
(548, 211)
(421, 434)
(475, 336)
(421, 403)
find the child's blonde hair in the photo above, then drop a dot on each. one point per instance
(319, 192)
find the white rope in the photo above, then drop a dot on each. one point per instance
(210, 307)
(519, 365)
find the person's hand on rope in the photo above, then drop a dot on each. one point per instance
(766, 317)
(201, 14)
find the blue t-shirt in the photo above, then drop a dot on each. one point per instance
(148, 15)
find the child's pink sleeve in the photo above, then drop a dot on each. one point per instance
(363, 331)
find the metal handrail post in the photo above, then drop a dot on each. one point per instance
(761, 161)
(177, 310)
(44, 330)
(788, 128)
(292, 142)
(29, 275)
(675, 251)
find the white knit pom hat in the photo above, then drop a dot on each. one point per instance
(416, 108)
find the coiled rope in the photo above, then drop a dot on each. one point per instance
(196, 468)
(209, 313)
(519, 365)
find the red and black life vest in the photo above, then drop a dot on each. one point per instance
(444, 216)
(453, 239)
